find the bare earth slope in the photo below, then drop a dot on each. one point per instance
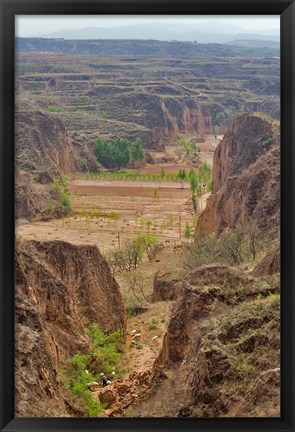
(44, 149)
(220, 355)
(246, 176)
(60, 290)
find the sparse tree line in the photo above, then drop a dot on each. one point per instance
(129, 256)
(190, 146)
(200, 183)
(232, 247)
(132, 176)
(118, 153)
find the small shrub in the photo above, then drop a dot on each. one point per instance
(52, 108)
(103, 114)
(268, 142)
(153, 326)
(84, 165)
(139, 346)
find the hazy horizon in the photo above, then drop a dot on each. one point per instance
(162, 27)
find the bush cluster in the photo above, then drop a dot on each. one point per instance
(61, 187)
(103, 355)
(129, 256)
(232, 247)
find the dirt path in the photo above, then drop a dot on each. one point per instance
(152, 324)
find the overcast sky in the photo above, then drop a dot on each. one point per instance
(37, 25)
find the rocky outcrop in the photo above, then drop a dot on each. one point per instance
(124, 392)
(165, 287)
(60, 290)
(270, 264)
(246, 176)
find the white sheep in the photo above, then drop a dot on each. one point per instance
(137, 336)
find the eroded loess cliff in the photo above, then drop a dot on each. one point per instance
(162, 118)
(44, 150)
(246, 176)
(60, 290)
(220, 355)
(270, 264)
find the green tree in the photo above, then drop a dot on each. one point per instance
(121, 152)
(254, 237)
(232, 244)
(187, 231)
(112, 154)
(61, 188)
(193, 145)
(182, 176)
(220, 117)
(148, 243)
(137, 150)
(102, 151)
(193, 179)
(149, 223)
(186, 144)
(205, 175)
(216, 130)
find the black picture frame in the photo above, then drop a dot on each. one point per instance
(286, 9)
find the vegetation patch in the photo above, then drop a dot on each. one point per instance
(118, 153)
(102, 356)
(61, 187)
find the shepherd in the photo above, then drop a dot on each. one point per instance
(104, 379)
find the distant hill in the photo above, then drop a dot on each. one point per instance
(206, 32)
(255, 43)
(142, 48)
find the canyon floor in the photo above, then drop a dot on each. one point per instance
(135, 203)
(166, 204)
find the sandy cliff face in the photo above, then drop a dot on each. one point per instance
(246, 176)
(60, 290)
